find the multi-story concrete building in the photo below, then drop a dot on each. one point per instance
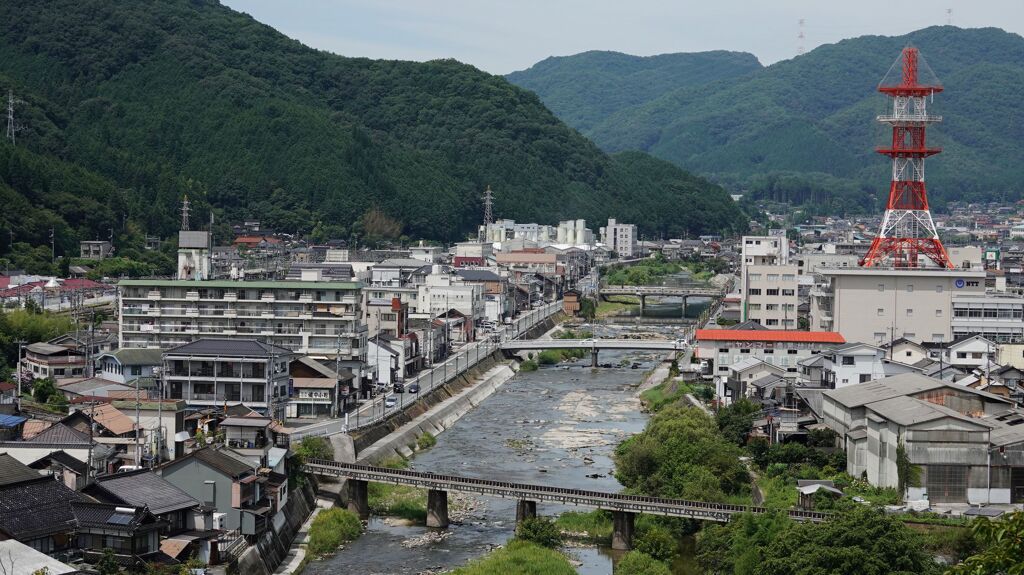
(323, 318)
(722, 348)
(878, 305)
(211, 372)
(999, 318)
(444, 291)
(620, 238)
(768, 282)
(94, 250)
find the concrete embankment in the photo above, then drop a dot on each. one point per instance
(273, 547)
(402, 441)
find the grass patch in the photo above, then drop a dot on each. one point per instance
(528, 365)
(664, 394)
(397, 500)
(779, 492)
(331, 528)
(610, 308)
(426, 441)
(594, 526)
(519, 558)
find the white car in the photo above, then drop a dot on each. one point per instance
(390, 402)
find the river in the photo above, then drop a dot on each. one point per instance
(556, 426)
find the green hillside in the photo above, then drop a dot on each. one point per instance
(129, 106)
(587, 88)
(803, 130)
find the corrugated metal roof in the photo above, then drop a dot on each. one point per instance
(908, 411)
(770, 335)
(903, 384)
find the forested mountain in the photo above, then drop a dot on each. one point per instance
(804, 130)
(128, 106)
(587, 88)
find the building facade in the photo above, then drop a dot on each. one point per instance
(768, 281)
(323, 318)
(620, 238)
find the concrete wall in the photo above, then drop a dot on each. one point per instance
(265, 556)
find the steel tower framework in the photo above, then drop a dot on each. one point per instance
(908, 231)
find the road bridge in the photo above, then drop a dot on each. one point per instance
(596, 345)
(624, 508)
(643, 292)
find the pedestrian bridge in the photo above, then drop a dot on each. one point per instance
(597, 344)
(624, 507)
(666, 291)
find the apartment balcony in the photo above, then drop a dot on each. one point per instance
(191, 312)
(153, 312)
(230, 313)
(191, 296)
(268, 297)
(230, 296)
(306, 298)
(154, 295)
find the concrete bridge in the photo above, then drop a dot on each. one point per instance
(596, 345)
(643, 292)
(624, 508)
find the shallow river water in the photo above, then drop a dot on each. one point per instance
(555, 426)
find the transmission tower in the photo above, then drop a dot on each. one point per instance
(800, 38)
(949, 16)
(12, 128)
(907, 228)
(488, 206)
(184, 214)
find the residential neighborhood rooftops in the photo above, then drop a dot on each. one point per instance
(894, 386)
(230, 284)
(30, 509)
(778, 336)
(229, 347)
(14, 471)
(142, 488)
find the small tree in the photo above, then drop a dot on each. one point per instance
(42, 389)
(107, 565)
(539, 530)
(639, 563)
(1003, 541)
(908, 474)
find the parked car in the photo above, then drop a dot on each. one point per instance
(399, 388)
(414, 388)
(390, 402)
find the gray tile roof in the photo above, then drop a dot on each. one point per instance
(138, 356)
(478, 275)
(108, 516)
(209, 346)
(142, 488)
(216, 458)
(61, 458)
(32, 509)
(60, 433)
(13, 471)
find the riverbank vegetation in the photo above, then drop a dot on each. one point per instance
(400, 501)
(647, 272)
(611, 308)
(330, 528)
(673, 392)
(519, 558)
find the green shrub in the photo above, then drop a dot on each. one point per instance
(331, 528)
(657, 542)
(519, 558)
(426, 441)
(549, 357)
(594, 525)
(539, 530)
(528, 365)
(639, 563)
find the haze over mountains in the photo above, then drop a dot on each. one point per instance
(129, 106)
(803, 130)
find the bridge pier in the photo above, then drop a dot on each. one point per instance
(643, 303)
(525, 509)
(358, 500)
(684, 307)
(622, 530)
(593, 357)
(437, 508)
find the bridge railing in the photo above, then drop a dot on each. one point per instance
(454, 481)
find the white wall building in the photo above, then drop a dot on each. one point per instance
(768, 281)
(620, 238)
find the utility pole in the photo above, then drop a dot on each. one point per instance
(53, 248)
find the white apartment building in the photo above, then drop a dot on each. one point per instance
(878, 305)
(620, 238)
(446, 291)
(723, 348)
(1000, 318)
(308, 317)
(768, 281)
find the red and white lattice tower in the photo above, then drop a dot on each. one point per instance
(908, 231)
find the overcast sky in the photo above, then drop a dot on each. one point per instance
(501, 37)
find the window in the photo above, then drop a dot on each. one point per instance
(880, 311)
(910, 288)
(937, 337)
(879, 336)
(791, 351)
(848, 360)
(755, 291)
(865, 377)
(136, 370)
(754, 307)
(774, 291)
(881, 287)
(788, 277)
(773, 277)
(938, 288)
(744, 351)
(771, 307)
(910, 312)
(754, 277)
(961, 355)
(723, 350)
(771, 322)
(769, 351)
(788, 292)
(909, 353)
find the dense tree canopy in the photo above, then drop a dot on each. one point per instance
(803, 130)
(128, 107)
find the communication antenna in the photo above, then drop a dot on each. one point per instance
(488, 206)
(800, 37)
(949, 16)
(184, 214)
